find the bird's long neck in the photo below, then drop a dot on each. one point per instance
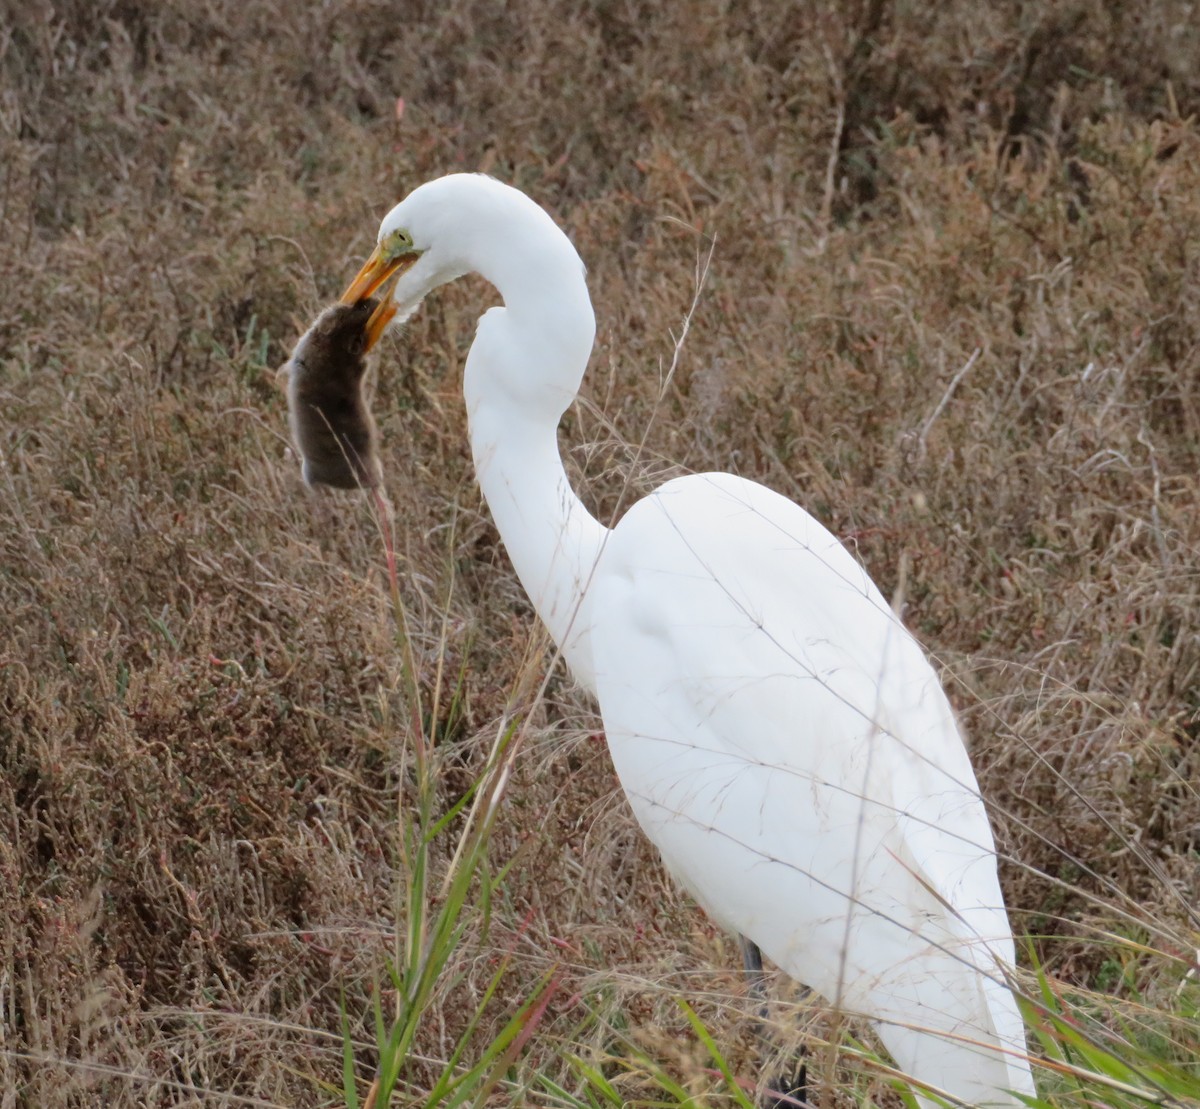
(549, 534)
(523, 370)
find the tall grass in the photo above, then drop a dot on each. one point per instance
(1110, 1046)
(221, 858)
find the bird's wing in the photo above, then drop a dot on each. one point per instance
(787, 746)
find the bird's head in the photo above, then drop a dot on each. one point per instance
(395, 254)
(437, 233)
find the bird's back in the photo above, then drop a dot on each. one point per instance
(788, 747)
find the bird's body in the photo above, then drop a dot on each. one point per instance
(787, 746)
(781, 737)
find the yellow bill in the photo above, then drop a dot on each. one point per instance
(376, 271)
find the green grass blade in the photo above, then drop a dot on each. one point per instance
(714, 1052)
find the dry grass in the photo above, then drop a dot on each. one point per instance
(954, 309)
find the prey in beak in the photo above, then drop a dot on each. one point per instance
(389, 259)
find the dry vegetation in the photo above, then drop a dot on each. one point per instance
(953, 309)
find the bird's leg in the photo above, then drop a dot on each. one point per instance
(752, 961)
(784, 1091)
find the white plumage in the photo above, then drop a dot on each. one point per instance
(781, 737)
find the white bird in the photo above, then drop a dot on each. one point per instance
(781, 737)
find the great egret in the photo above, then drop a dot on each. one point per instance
(781, 737)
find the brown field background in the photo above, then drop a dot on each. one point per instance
(953, 309)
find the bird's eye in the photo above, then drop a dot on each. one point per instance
(396, 243)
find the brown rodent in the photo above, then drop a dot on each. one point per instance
(331, 426)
